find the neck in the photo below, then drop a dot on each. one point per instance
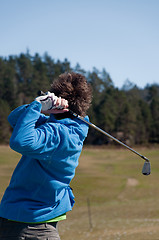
(60, 116)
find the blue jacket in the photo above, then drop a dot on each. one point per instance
(39, 188)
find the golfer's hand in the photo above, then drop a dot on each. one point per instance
(61, 106)
(48, 101)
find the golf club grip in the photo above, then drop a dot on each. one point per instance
(40, 93)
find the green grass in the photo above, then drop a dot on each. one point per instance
(8, 161)
(123, 202)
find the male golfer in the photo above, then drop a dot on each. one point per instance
(39, 194)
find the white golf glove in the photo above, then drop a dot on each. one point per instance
(48, 101)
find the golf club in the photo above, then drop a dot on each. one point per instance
(146, 170)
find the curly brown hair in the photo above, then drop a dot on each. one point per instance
(74, 88)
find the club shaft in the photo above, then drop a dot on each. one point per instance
(110, 136)
(102, 131)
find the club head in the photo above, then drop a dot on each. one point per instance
(146, 170)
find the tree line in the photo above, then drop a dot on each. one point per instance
(131, 114)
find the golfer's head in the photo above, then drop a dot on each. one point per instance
(74, 88)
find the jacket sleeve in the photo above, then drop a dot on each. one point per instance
(15, 114)
(28, 139)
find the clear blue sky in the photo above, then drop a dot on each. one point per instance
(121, 36)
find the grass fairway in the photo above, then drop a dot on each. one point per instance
(124, 204)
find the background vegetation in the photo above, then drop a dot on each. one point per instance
(131, 114)
(113, 199)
